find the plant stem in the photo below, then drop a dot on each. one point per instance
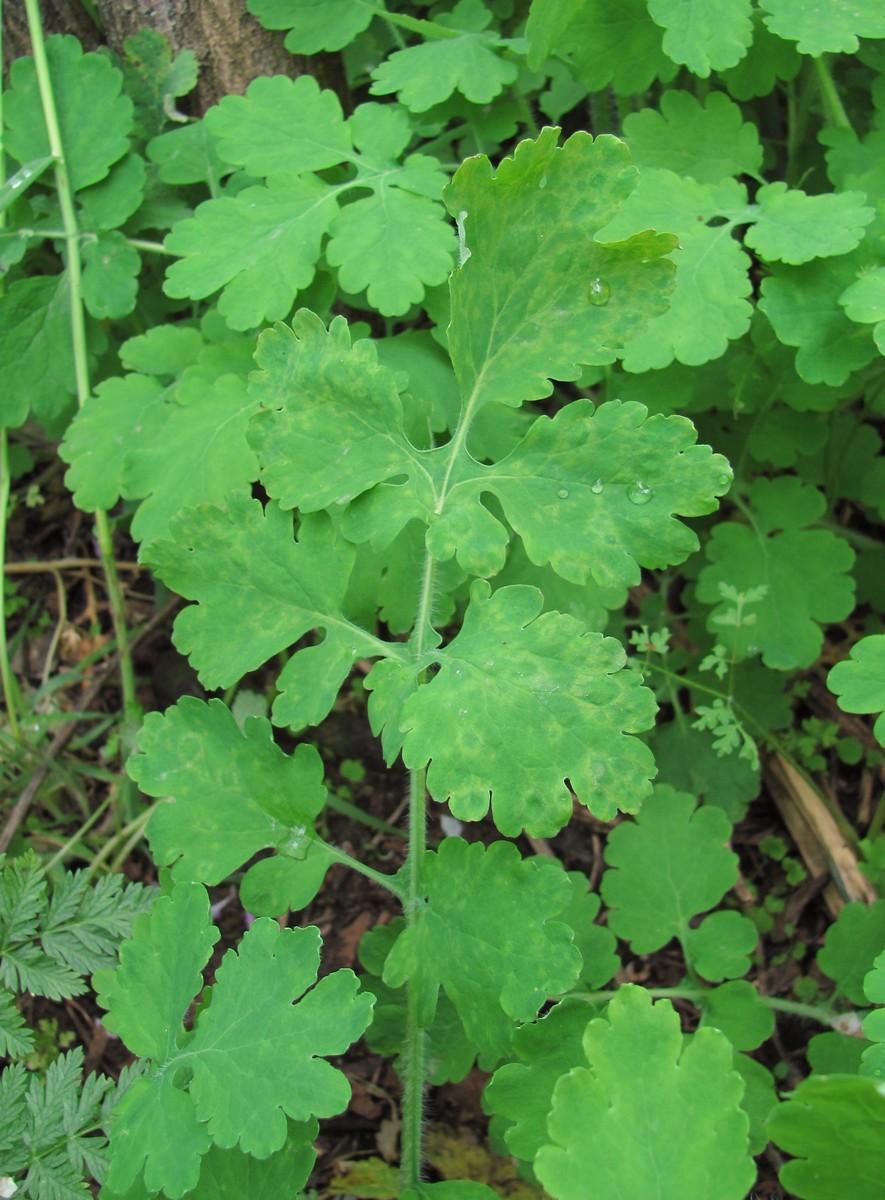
(131, 709)
(415, 1050)
(9, 688)
(832, 101)
(814, 1012)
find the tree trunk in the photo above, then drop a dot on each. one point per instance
(231, 47)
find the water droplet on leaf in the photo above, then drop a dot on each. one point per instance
(598, 292)
(597, 487)
(563, 493)
(724, 480)
(639, 493)
(542, 182)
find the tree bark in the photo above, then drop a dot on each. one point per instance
(231, 47)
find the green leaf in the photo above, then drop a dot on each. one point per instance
(795, 228)
(261, 246)
(859, 681)
(233, 1173)
(243, 561)
(315, 24)
(393, 244)
(110, 276)
(111, 202)
(36, 354)
(802, 569)
(94, 118)
(833, 1125)
(233, 793)
(537, 295)
(428, 74)
(562, 706)
(705, 37)
(590, 492)
(19, 182)
(488, 936)
(708, 142)
(666, 867)
(280, 126)
(187, 155)
(873, 1061)
(16, 1039)
(247, 1073)
(802, 304)
(522, 1090)
(864, 302)
(852, 943)
(604, 44)
(720, 947)
(740, 1012)
(687, 760)
(665, 1115)
(832, 30)
(154, 79)
(768, 60)
(595, 942)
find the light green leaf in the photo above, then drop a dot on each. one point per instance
(244, 561)
(706, 37)
(314, 24)
(562, 707)
(873, 1061)
(195, 455)
(522, 1090)
(233, 1173)
(666, 867)
(665, 1115)
(720, 947)
(603, 43)
(488, 936)
(281, 126)
(802, 304)
(246, 1076)
(834, 1125)
(36, 354)
(110, 276)
(393, 244)
(708, 306)
(708, 142)
(859, 682)
(111, 202)
(232, 793)
(595, 942)
(739, 1011)
(803, 570)
(852, 943)
(795, 228)
(429, 73)
(537, 295)
(163, 350)
(864, 302)
(592, 492)
(830, 29)
(261, 246)
(94, 118)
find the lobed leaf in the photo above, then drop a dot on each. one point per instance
(521, 703)
(802, 570)
(830, 30)
(233, 793)
(795, 228)
(859, 681)
(833, 1126)
(314, 25)
(852, 942)
(489, 937)
(705, 37)
(538, 295)
(672, 863)
(664, 1112)
(94, 118)
(706, 141)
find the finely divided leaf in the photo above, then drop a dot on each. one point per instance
(232, 793)
(489, 937)
(537, 295)
(666, 867)
(521, 703)
(664, 1112)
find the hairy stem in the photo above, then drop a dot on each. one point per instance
(9, 688)
(814, 1012)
